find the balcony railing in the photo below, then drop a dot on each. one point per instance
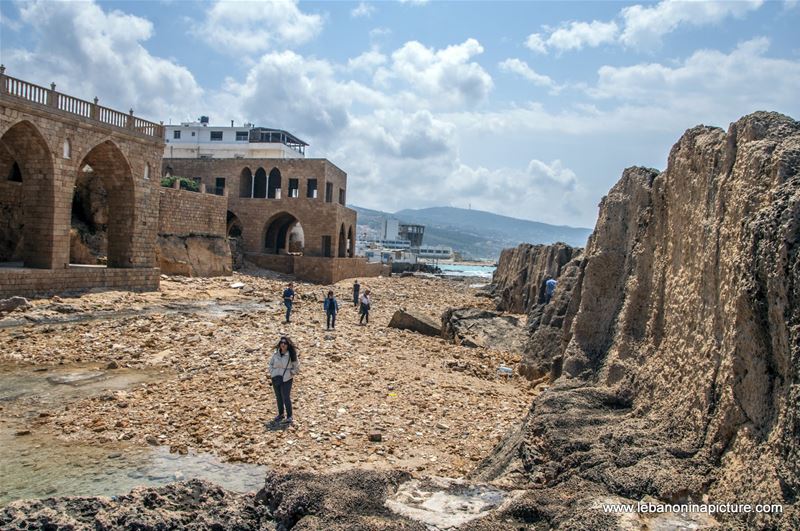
(10, 86)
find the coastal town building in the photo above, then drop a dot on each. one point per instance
(289, 212)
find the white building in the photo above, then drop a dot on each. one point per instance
(438, 252)
(391, 229)
(200, 140)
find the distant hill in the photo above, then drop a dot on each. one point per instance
(475, 233)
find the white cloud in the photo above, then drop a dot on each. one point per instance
(576, 35)
(446, 77)
(645, 26)
(69, 34)
(521, 67)
(362, 10)
(641, 27)
(414, 2)
(553, 174)
(367, 61)
(744, 79)
(257, 26)
(536, 43)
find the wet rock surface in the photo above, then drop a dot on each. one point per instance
(194, 505)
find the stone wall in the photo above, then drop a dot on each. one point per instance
(192, 238)
(43, 282)
(321, 270)
(182, 213)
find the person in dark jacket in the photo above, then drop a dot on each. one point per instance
(283, 367)
(356, 290)
(331, 306)
(288, 300)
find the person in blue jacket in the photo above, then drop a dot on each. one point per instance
(288, 300)
(549, 289)
(331, 309)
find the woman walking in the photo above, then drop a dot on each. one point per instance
(283, 366)
(331, 309)
(365, 304)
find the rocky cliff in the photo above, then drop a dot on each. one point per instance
(518, 281)
(680, 340)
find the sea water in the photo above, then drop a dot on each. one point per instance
(466, 270)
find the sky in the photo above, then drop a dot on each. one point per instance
(526, 109)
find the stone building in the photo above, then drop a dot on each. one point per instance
(290, 213)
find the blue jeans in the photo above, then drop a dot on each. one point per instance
(283, 394)
(288, 305)
(331, 319)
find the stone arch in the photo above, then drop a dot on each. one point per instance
(276, 233)
(235, 229)
(260, 184)
(32, 203)
(246, 183)
(111, 169)
(351, 243)
(168, 171)
(342, 243)
(274, 184)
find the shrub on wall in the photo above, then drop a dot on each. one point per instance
(186, 183)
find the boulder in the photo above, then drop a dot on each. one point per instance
(415, 322)
(473, 327)
(14, 303)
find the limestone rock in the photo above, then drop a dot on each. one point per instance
(518, 281)
(417, 322)
(14, 303)
(473, 327)
(194, 256)
(682, 361)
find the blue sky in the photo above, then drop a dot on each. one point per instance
(530, 109)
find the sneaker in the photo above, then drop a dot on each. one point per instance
(289, 420)
(277, 420)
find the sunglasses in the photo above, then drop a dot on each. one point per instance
(282, 343)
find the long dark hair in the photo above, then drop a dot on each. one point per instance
(289, 347)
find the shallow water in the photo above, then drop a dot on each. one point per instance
(46, 467)
(38, 464)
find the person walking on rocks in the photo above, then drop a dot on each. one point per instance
(283, 366)
(549, 289)
(366, 301)
(288, 300)
(331, 306)
(356, 290)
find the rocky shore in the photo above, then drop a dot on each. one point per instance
(436, 407)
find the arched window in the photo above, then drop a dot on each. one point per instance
(67, 149)
(147, 171)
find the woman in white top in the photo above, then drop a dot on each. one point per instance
(283, 366)
(366, 301)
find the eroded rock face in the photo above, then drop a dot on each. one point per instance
(194, 256)
(518, 281)
(681, 370)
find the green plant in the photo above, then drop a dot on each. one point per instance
(185, 183)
